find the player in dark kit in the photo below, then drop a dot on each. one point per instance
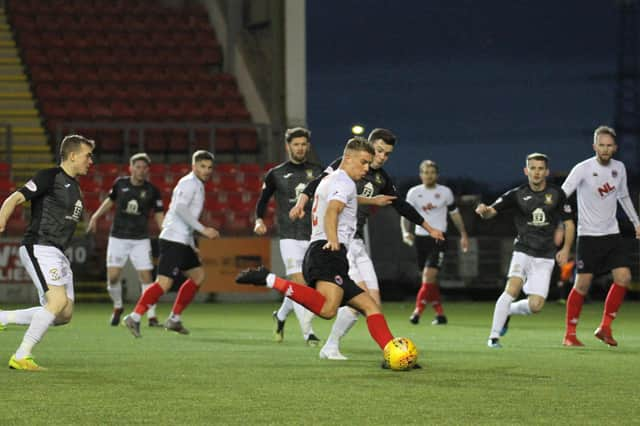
(135, 198)
(56, 209)
(537, 208)
(286, 181)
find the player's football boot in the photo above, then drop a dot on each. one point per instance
(505, 327)
(278, 334)
(26, 364)
(439, 320)
(175, 326)
(115, 316)
(571, 340)
(332, 353)
(604, 334)
(3, 327)
(313, 340)
(255, 276)
(132, 325)
(494, 343)
(414, 318)
(153, 322)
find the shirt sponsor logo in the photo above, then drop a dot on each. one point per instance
(66, 185)
(367, 190)
(538, 218)
(527, 198)
(606, 189)
(548, 199)
(287, 176)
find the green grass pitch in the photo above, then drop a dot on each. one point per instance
(229, 371)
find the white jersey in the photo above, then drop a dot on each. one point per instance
(335, 186)
(599, 188)
(433, 205)
(188, 192)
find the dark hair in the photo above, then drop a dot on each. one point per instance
(429, 163)
(297, 132)
(71, 143)
(140, 156)
(358, 143)
(603, 130)
(384, 134)
(538, 156)
(201, 155)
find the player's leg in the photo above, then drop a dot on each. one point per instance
(117, 254)
(140, 256)
(305, 317)
(376, 322)
(588, 258)
(615, 297)
(146, 280)
(18, 317)
(186, 294)
(432, 259)
(538, 278)
(503, 305)
(422, 247)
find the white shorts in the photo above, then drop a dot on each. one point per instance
(47, 266)
(120, 249)
(360, 265)
(292, 252)
(534, 271)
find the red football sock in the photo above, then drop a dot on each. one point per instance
(433, 297)
(379, 329)
(187, 291)
(612, 304)
(574, 306)
(148, 298)
(421, 299)
(306, 296)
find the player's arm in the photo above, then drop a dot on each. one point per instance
(159, 218)
(334, 209)
(627, 205)
(571, 182)
(158, 208)
(268, 189)
(8, 206)
(456, 218)
(562, 256)
(183, 197)
(104, 207)
(406, 228)
(297, 211)
(380, 200)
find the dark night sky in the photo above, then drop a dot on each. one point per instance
(473, 85)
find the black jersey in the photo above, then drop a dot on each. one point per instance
(133, 205)
(286, 181)
(536, 216)
(56, 208)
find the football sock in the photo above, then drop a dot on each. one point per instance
(433, 297)
(151, 313)
(345, 319)
(421, 299)
(187, 292)
(521, 307)
(612, 303)
(285, 309)
(40, 323)
(147, 299)
(379, 329)
(500, 314)
(304, 318)
(19, 316)
(574, 306)
(306, 296)
(174, 317)
(115, 292)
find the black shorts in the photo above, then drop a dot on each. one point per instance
(430, 252)
(176, 257)
(601, 254)
(330, 266)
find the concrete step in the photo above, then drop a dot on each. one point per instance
(8, 43)
(32, 157)
(11, 77)
(32, 165)
(10, 60)
(12, 69)
(14, 85)
(15, 96)
(16, 103)
(18, 112)
(8, 51)
(21, 122)
(25, 148)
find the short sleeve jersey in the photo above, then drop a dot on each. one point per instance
(433, 204)
(56, 208)
(599, 187)
(286, 181)
(133, 204)
(188, 192)
(336, 186)
(536, 216)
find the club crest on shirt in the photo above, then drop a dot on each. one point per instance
(437, 195)
(143, 194)
(378, 178)
(309, 173)
(367, 190)
(614, 173)
(54, 274)
(338, 279)
(548, 199)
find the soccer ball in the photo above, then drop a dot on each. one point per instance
(401, 354)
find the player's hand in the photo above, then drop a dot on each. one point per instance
(3, 225)
(91, 227)
(562, 257)
(331, 245)
(210, 233)
(464, 243)
(382, 200)
(408, 238)
(638, 232)
(296, 212)
(260, 228)
(436, 234)
(482, 210)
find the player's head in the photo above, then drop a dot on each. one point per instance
(429, 172)
(298, 143)
(358, 155)
(139, 166)
(202, 164)
(76, 153)
(604, 143)
(383, 143)
(537, 168)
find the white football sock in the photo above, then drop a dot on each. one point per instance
(19, 316)
(304, 318)
(175, 318)
(115, 291)
(345, 319)
(135, 316)
(285, 309)
(521, 307)
(500, 314)
(151, 313)
(271, 279)
(40, 323)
